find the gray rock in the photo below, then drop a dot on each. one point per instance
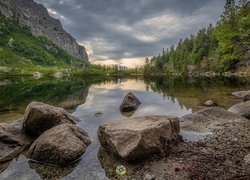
(208, 119)
(136, 138)
(39, 117)
(246, 97)
(36, 16)
(241, 94)
(13, 140)
(149, 177)
(52, 172)
(247, 159)
(60, 145)
(130, 103)
(242, 109)
(210, 103)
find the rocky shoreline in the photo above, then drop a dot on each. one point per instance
(212, 143)
(224, 154)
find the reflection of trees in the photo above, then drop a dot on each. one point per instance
(193, 92)
(68, 92)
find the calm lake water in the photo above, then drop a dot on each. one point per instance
(95, 101)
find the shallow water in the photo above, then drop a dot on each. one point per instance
(95, 101)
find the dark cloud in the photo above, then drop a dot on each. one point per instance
(118, 30)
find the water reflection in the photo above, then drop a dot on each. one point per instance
(95, 101)
(193, 92)
(51, 172)
(20, 91)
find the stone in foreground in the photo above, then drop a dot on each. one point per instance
(207, 119)
(130, 103)
(60, 145)
(13, 140)
(241, 94)
(40, 117)
(242, 109)
(136, 138)
(210, 103)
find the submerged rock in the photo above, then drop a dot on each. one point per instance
(60, 145)
(130, 103)
(39, 117)
(4, 166)
(46, 171)
(13, 140)
(242, 108)
(136, 138)
(210, 103)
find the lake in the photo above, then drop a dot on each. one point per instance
(95, 101)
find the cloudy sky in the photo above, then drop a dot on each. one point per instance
(126, 31)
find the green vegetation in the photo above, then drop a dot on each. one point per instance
(223, 48)
(192, 92)
(22, 90)
(22, 53)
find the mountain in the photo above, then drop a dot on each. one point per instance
(29, 36)
(36, 16)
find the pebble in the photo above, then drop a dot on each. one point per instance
(149, 177)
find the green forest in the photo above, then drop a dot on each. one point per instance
(221, 48)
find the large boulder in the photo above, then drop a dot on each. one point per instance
(242, 108)
(60, 145)
(136, 138)
(40, 117)
(130, 103)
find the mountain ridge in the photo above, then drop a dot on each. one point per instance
(36, 17)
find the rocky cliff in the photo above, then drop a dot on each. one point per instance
(36, 16)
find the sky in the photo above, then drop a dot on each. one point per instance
(125, 32)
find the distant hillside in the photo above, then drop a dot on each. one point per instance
(36, 17)
(30, 39)
(19, 48)
(223, 48)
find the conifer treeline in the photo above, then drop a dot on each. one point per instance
(222, 48)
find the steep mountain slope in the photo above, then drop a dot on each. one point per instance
(21, 50)
(29, 13)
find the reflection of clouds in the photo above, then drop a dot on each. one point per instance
(106, 98)
(128, 85)
(19, 169)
